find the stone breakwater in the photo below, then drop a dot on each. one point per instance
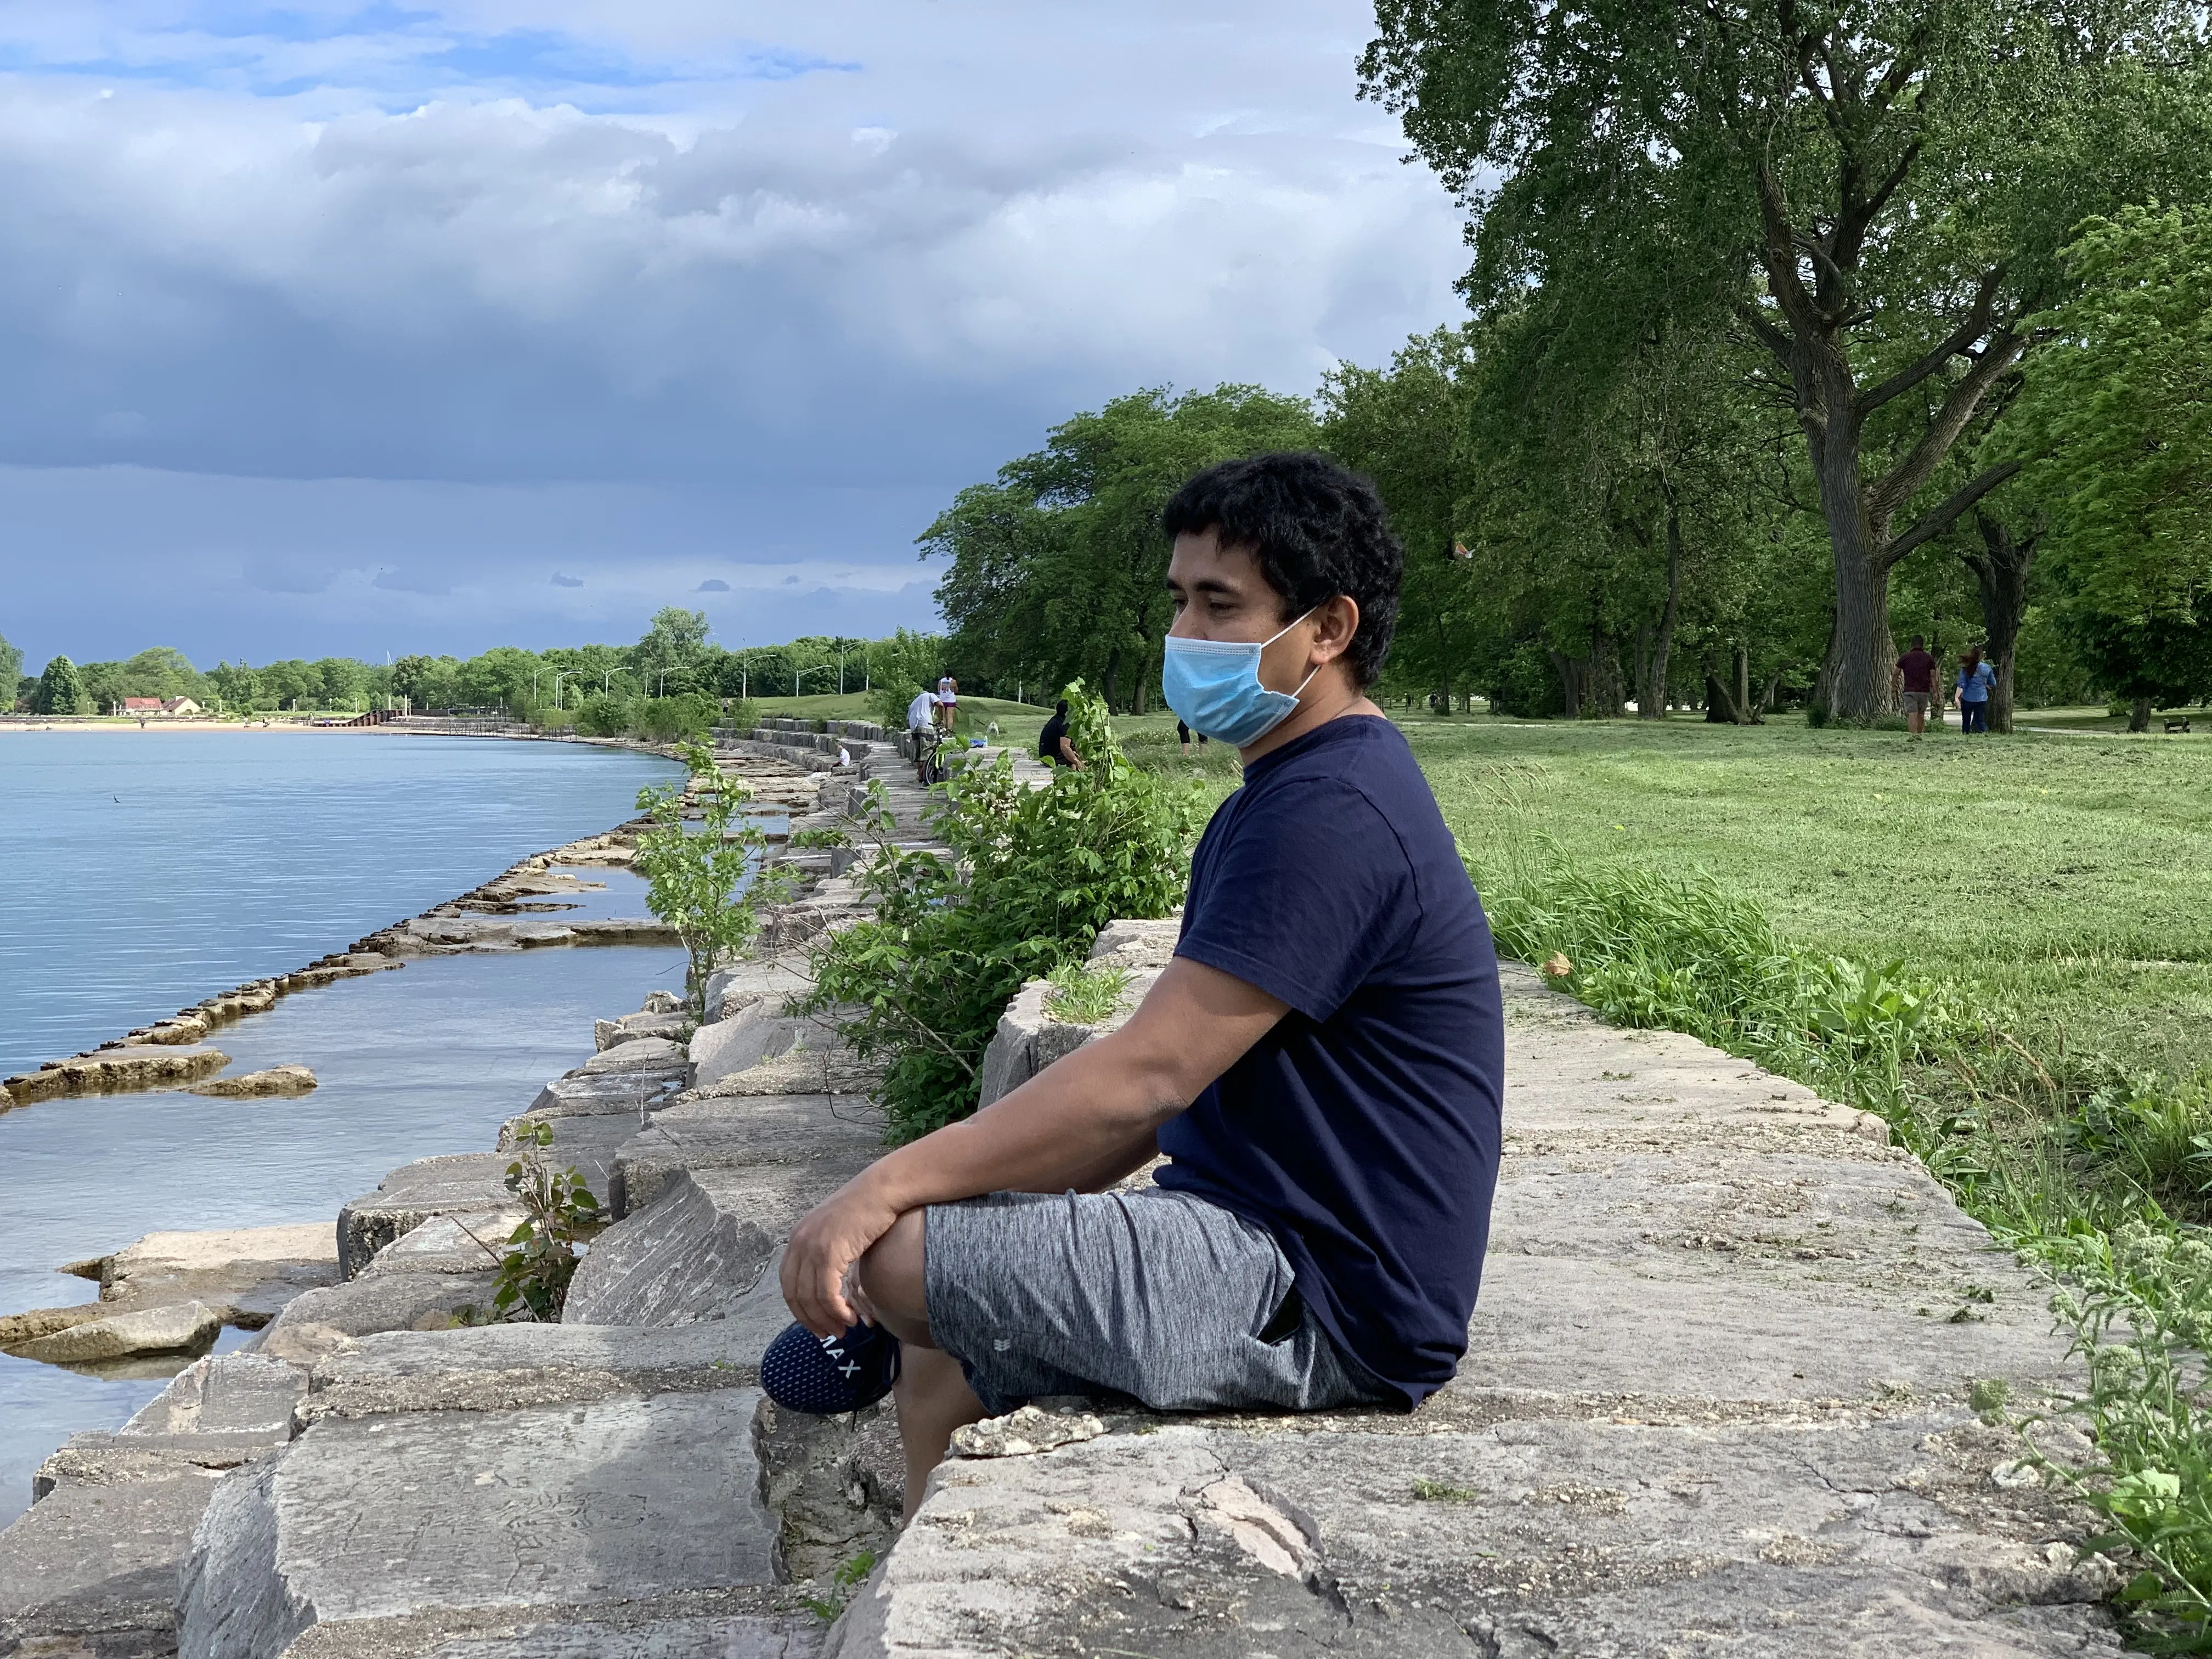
(506, 913)
(1721, 1398)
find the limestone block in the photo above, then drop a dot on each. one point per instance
(107, 1071)
(1138, 945)
(1030, 1037)
(91, 1569)
(581, 1094)
(604, 1633)
(230, 1393)
(378, 1302)
(736, 1132)
(499, 1367)
(274, 1082)
(458, 1184)
(375, 1518)
(16, 1328)
(624, 930)
(248, 1273)
(756, 1032)
(645, 1054)
(817, 1065)
(1863, 1536)
(695, 1253)
(178, 1327)
(607, 1033)
(466, 1241)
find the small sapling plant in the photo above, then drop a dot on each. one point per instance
(542, 1251)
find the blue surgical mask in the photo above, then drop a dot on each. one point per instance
(1213, 686)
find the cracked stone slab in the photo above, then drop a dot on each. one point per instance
(743, 1036)
(584, 1094)
(459, 1183)
(730, 1133)
(491, 1367)
(89, 1571)
(702, 1248)
(1879, 1537)
(387, 1516)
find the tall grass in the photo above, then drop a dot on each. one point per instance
(2100, 1177)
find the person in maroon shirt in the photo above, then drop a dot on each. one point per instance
(1915, 671)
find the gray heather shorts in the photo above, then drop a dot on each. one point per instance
(1153, 1294)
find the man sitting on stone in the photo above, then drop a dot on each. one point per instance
(1321, 1062)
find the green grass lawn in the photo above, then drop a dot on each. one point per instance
(2062, 885)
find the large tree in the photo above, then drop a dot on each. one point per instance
(1875, 191)
(60, 691)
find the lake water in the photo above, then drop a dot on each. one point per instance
(144, 872)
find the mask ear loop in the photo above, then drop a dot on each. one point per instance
(1286, 627)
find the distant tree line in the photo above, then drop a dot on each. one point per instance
(608, 686)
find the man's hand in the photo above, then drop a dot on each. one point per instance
(1082, 1121)
(836, 1234)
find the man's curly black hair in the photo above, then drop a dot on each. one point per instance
(1317, 529)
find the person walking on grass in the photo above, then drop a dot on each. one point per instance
(1182, 736)
(1975, 680)
(1321, 1062)
(948, 701)
(1916, 675)
(1053, 747)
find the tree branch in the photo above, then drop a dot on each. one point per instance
(1913, 473)
(1954, 345)
(1935, 523)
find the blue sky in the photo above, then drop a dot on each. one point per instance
(343, 328)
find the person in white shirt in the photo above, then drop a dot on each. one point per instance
(920, 713)
(948, 699)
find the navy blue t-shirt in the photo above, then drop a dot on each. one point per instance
(1362, 1130)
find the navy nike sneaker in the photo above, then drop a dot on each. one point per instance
(830, 1376)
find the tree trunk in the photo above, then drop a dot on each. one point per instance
(2001, 570)
(1608, 693)
(2139, 714)
(1743, 711)
(1651, 683)
(1571, 671)
(1720, 705)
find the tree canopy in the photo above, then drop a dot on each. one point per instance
(1874, 194)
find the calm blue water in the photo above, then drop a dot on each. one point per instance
(229, 856)
(144, 869)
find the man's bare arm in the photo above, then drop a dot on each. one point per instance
(1081, 1122)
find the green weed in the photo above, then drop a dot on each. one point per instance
(1083, 995)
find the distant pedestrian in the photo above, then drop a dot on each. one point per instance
(920, 715)
(948, 701)
(1916, 672)
(1975, 680)
(1182, 736)
(1053, 747)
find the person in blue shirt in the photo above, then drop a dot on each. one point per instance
(1975, 680)
(1322, 1063)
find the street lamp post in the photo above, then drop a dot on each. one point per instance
(556, 687)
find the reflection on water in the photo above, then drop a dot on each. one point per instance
(425, 1059)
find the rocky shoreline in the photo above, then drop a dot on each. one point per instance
(1739, 1384)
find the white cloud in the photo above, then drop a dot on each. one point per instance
(796, 264)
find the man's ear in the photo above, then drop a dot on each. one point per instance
(1336, 622)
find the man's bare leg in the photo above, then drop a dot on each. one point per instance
(931, 1393)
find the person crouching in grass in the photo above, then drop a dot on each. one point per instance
(1322, 1063)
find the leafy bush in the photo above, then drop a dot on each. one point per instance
(1029, 877)
(706, 884)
